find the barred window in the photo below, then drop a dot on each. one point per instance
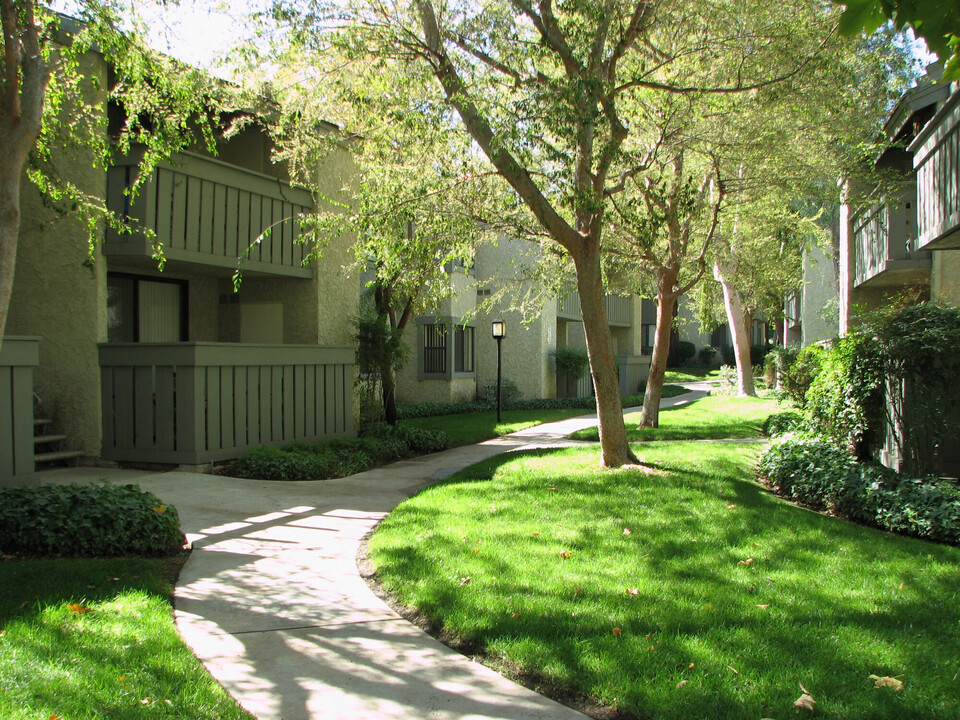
(434, 348)
(463, 349)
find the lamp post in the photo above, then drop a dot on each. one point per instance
(499, 331)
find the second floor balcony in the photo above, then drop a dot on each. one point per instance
(883, 234)
(937, 163)
(619, 309)
(208, 213)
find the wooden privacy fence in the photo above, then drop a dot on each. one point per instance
(192, 403)
(18, 357)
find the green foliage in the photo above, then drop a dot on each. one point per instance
(706, 355)
(937, 21)
(574, 361)
(798, 370)
(339, 457)
(758, 354)
(433, 408)
(782, 422)
(87, 521)
(509, 392)
(685, 352)
(819, 474)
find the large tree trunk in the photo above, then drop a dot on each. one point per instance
(23, 82)
(614, 447)
(733, 302)
(666, 302)
(9, 229)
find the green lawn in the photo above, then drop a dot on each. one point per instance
(474, 427)
(691, 593)
(691, 374)
(708, 418)
(96, 639)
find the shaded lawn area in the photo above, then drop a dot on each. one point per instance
(474, 427)
(711, 417)
(84, 638)
(692, 593)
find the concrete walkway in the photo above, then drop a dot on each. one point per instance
(271, 599)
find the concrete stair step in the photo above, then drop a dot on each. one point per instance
(59, 455)
(41, 439)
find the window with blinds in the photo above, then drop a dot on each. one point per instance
(463, 350)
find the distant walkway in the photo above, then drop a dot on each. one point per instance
(271, 599)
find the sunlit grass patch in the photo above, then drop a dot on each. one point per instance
(685, 593)
(96, 639)
(707, 418)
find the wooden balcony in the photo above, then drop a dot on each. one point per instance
(619, 309)
(208, 213)
(18, 357)
(883, 233)
(937, 162)
(193, 403)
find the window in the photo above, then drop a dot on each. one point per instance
(142, 310)
(463, 349)
(434, 349)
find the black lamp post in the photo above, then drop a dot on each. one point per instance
(499, 331)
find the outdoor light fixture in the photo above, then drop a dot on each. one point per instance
(499, 332)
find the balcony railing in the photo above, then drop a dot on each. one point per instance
(206, 212)
(18, 357)
(937, 162)
(619, 309)
(192, 403)
(883, 232)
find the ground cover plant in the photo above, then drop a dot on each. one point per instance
(707, 418)
(94, 638)
(686, 593)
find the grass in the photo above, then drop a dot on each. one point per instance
(691, 593)
(96, 639)
(474, 427)
(691, 374)
(710, 417)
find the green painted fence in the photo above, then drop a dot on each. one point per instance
(193, 403)
(18, 357)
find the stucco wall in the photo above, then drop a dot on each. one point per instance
(820, 303)
(945, 277)
(56, 296)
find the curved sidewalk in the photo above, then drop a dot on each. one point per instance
(272, 602)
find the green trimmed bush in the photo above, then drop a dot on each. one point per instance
(817, 473)
(782, 422)
(339, 457)
(87, 521)
(686, 351)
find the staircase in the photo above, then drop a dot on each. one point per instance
(48, 446)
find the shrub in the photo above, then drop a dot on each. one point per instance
(818, 473)
(811, 470)
(87, 521)
(509, 392)
(339, 457)
(706, 355)
(273, 463)
(405, 411)
(685, 352)
(798, 376)
(782, 422)
(728, 355)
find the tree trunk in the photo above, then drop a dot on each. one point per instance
(666, 302)
(388, 388)
(614, 447)
(9, 230)
(733, 302)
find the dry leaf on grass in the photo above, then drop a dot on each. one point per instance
(893, 683)
(747, 562)
(633, 591)
(616, 632)
(78, 608)
(464, 581)
(805, 702)
(682, 683)
(565, 553)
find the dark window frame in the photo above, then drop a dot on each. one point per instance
(137, 279)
